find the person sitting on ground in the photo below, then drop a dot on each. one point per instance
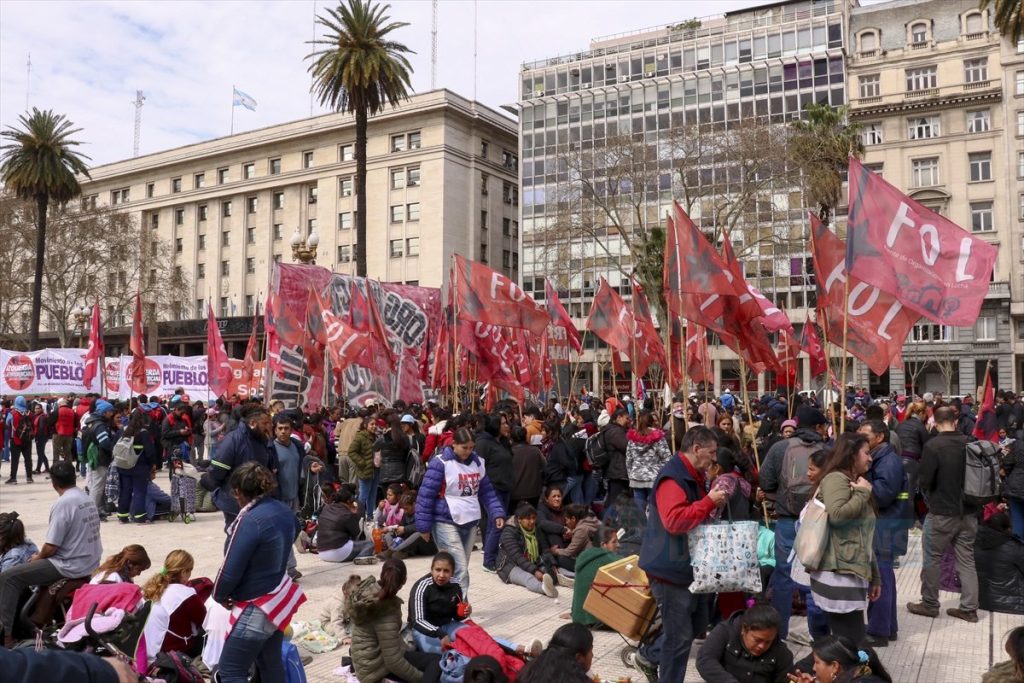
(604, 551)
(999, 557)
(837, 660)
(551, 517)
(337, 530)
(567, 658)
(176, 617)
(335, 617)
(403, 541)
(122, 567)
(1012, 670)
(389, 512)
(437, 608)
(484, 669)
(521, 554)
(15, 549)
(581, 522)
(746, 647)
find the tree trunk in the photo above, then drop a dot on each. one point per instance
(42, 201)
(360, 190)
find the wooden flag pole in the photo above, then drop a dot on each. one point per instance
(846, 331)
(750, 421)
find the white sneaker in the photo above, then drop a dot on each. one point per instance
(549, 586)
(565, 580)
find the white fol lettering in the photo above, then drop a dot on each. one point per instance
(838, 274)
(929, 231)
(961, 263)
(855, 294)
(900, 220)
(890, 315)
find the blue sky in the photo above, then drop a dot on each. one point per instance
(88, 58)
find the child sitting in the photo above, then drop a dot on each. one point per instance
(335, 617)
(402, 541)
(389, 511)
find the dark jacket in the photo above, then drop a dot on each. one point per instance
(394, 454)
(432, 606)
(498, 458)
(237, 448)
(942, 474)
(28, 666)
(1014, 466)
(336, 526)
(616, 444)
(889, 490)
(145, 446)
(770, 474)
(562, 461)
(512, 551)
(723, 659)
(913, 436)
(665, 556)
(97, 430)
(170, 432)
(527, 472)
(378, 651)
(999, 558)
(551, 523)
(256, 555)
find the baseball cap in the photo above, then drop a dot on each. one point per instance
(408, 419)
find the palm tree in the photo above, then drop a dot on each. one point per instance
(820, 149)
(358, 70)
(1008, 18)
(40, 163)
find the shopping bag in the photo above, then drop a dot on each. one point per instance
(724, 558)
(812, 534)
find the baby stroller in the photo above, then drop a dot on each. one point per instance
(108, 620)
(183, 489)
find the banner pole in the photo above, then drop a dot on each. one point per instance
(579, 361)
(846, 331)
(750, 421)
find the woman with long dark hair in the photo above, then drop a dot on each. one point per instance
(133, 482)
(838, 660)
(567, 658)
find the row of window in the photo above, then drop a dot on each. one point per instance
(919, 33)
(923, 78)
(927, 127)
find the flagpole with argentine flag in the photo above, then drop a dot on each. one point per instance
(239, 98)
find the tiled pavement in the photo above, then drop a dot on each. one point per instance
(942, 650)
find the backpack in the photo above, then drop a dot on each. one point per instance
(23, 432)
(981, 473)
(175, 667)
(453, 666)
(597, 451)
(125, 455)
(415, 468)
(294, 672)
(794, 486)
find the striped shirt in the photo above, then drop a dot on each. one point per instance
(839, 593)
(280, 604)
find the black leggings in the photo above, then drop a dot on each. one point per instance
(850, 625)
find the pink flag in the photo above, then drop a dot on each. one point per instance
(218, 367)
(94, 355)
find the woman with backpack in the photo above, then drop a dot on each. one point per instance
(19, 426)
(40, 434)
(134, 481)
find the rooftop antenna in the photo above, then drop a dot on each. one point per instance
(139, 101)
(28, 80)
(433, 48)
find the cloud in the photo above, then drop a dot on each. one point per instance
(89, 58)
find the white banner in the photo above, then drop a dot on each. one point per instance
(164, 374)
(42, 373)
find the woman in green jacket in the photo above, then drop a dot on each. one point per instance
(360, 452)
(604, 550)
(378, 651)
(848, 573)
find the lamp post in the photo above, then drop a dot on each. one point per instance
(80, 314)
(304, 248)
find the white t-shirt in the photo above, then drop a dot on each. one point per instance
(462, 484)
(75, 530)
(107, 577)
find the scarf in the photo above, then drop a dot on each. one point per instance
(532, 547)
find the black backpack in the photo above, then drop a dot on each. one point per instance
(597, 451)
(24, 428)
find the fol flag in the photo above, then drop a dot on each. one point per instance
(752, 302)
(218, 367)
(698, 361)
(610, 319)
(692, 265)
(485, 295)
(250, 360)
(240, 99)
(137, 344)
(343, 343)
(811, 343)
(560, 317)
(94, 356)
(930, 264)
(878, 322)
(648, 346)
(986, 428)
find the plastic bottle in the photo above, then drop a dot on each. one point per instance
(378, 540)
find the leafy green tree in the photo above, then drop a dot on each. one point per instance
(358, 69)
(1008, 17)
(40, 163)
(820, 150)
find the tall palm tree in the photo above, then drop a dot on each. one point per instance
(357, 69)
(1008, 17)
(41, 164)
(820, 148)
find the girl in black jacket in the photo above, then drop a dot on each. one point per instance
(436, 606)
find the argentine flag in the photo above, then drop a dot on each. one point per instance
(242, 99)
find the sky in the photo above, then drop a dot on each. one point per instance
(89, 58)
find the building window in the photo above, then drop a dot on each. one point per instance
(222, 176)
(250, 204)
(307, 159)
(345, 221)
(515, 195)
(249, 171)
(412, 246)
(1020, 165)
(1020, 83)
(483, 253)
(396, 248)
(179, 216)
(154, 247)
(154, 221)
(345, 186)
(871, 134)
(225, 238)
(506, 192)
(1020, 131)
(510, 160)
(346, 152)
(344, 253)
(925, 171)
(225, 268)
(150, 189)
(178, 245)
(203, 211)
(923, 127)
(201, 242)
(398, 143)
(928, 332)
(250, 265)
(250, 305)
(277, 231)
(412, 176)
(200, 271)
(397, 178)
(868, 42)
(310, 226)
(275, 166)
(974, 23)
(976, 70)
(484, 177)
(278, 201)
(225, 209)
(506, 259)
(484, 148)
(398, 213)
(981, 217)
(412, 211)
(483, 220)
(311, 195)
(506, 227)
(175, 185)
(986, 329)
(981, 166)
(414, 140)
(870, 85)
(1020, 210)
(119, 196)
(223, 307)
(979, 122)
(199, 180)
(200, 308)
(250, 235)
(919, 33)
(922, 78)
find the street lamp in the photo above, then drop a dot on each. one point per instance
(304, 248)
(80, 314)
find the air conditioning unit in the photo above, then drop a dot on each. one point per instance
(623, 79)
(584, 85)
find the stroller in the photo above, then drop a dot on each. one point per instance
(183, 489)
(108, 620)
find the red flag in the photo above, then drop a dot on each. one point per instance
(648, 346)
(365, 317)
(344, 344)
(137, 344)
(218, 367)
(811, 343)
(878, 322)
(677, 345)
(788, 351)
(560, 317)
(610, 318)
(487, 296)
(754, 303)
(270, 326)
(930, 264)
(986, 428)
(491, 349)
(439, 374)
(617, 368)
(692, 265)
(698, 362)
(250, 360)
(94, 356)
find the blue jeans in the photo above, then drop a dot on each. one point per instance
(1017, 516)
(642, 498)
(574, 489)
(683, 614)
(7, 446)
(882, 613)
(368, 495)
(782, 583)
(457, 540)
(425, 643)
(253, 639)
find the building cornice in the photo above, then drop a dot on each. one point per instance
(871, 107)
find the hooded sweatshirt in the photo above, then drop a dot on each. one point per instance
(646, 454)
(14, 419)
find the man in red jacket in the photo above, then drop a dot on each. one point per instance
(65, 427)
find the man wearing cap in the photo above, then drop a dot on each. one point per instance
(249, 441)
(784, 474)
(98, 447)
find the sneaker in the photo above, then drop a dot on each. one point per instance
(969, 615)
(28, 480)
(295, 574)
(12, 481)
(565, 580)
(549, 586)
(490, 570)
(369, 559)
(649, 670)
(536, 647)
(876, 641)
(923, 610)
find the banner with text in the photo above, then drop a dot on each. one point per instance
(46, 372)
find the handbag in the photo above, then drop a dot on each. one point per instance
(724, 557)
(812, 534)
